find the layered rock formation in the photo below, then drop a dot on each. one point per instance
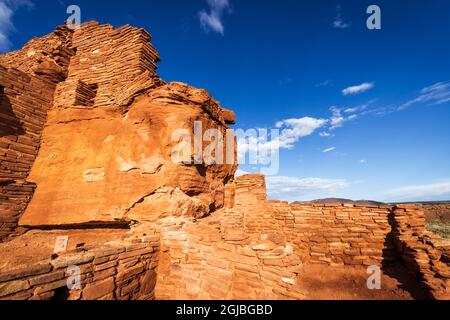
(117, 164)
(27, 81)
(86, 152)
(106, 148)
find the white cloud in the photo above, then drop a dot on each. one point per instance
(294, 129)
(328, 150)
(7, 10)
(212, 20)
(426, 192)
(326, 83)
(290, 132)
(358, 89)
(326, 134)
(362, 161)
(336, 120)
(5, 26)
(359, 108)
(339, 22)
(293, 189)
(340, 116)
(438, 93)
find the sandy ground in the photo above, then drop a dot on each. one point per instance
(322, 282)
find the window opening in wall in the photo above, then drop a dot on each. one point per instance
(85, 94)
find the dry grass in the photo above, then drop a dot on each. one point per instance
(440, 228)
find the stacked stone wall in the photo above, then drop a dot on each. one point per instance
(119, 270)
(24, 102)
(426, 255)
(119, 62)
(96, 65)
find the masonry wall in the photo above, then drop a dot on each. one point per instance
(426, 255)
(211, 261)
(46, 57)
(27, 82)
(254, 250)
(257, 248)
(119, 270)
(94, 66)
(353, 235)
(24, 103)
(119, 62)
(333, 234)
(342, 234)
(251, 185)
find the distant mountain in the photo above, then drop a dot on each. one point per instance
(426, 202)
(338, 200)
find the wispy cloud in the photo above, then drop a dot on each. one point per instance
(326, 134)
(438, 93)
(326, 83)
(337, 119)
(339, 21)
(328, 150)
(292, 189)
(360, 108)
(7, 10)
(294, 129)
(426, 192)
(340, 116)
(290, 133)
(212, 20)
(363, 87)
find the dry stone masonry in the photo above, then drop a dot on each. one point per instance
(85, 153)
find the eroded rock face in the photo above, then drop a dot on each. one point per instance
(106, 149)
(98, 165)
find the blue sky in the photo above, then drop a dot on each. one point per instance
(366, 111)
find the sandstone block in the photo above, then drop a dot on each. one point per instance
(98, 289)
(72, 260)
(46, 278)
(12, 287)
(24, 271)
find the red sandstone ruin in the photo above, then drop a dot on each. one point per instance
(85, 143)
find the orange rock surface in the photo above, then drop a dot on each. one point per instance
(105, 149)
(117, 166)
